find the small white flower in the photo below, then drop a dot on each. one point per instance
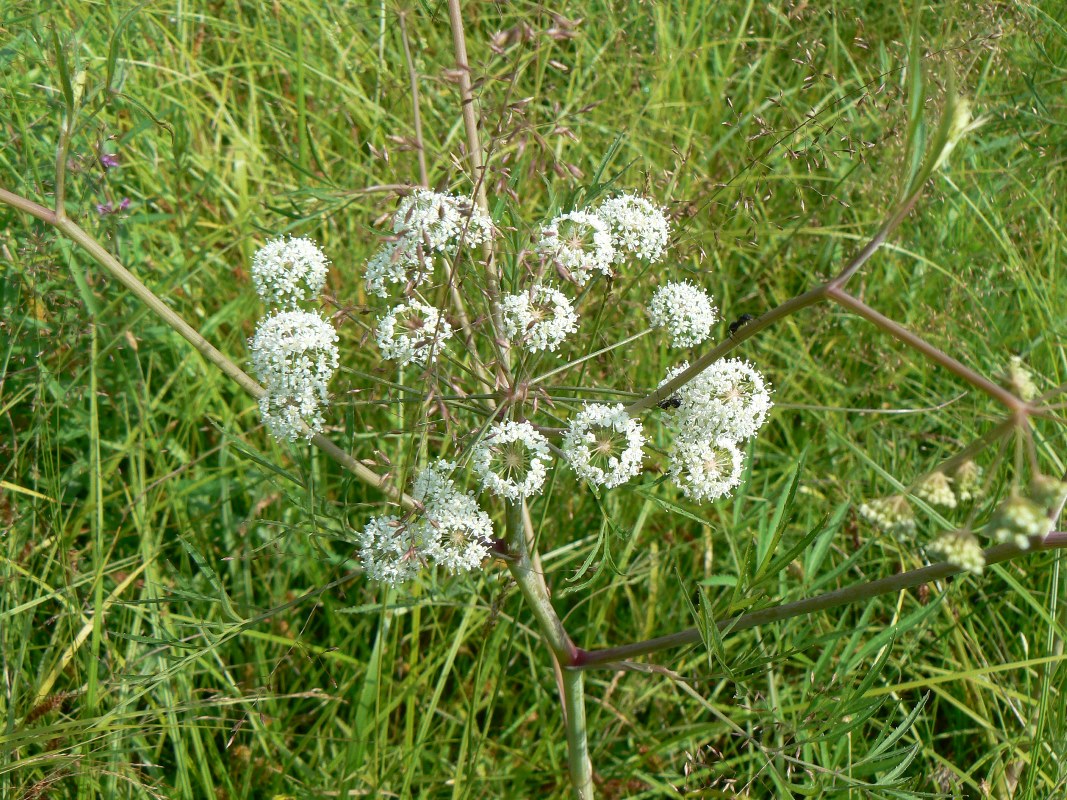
(891, 514)
(603, 445)
(391, 551)
(935, 489)
(540, 318)
(412, 332)
(459, 533)
(961, 549)
(729, 399)
(638, 227)
(294, 353)
(512, 460)
(685, 310)
(288, 271)
(402, 262)
(440, 221)
(705, 469)
(580, 244)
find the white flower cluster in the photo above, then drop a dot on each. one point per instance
(294, 353)
(638, 227)
(579, 243)
(960, 548)
(936, 490)
(541, 317)
(706, 469)
(967, 481)
(412, 332)
(403, 262)
(452, 532)
(1017, 519)
(426, 223)
(512, 460)
(891, 514)
(722, 406)
(685, 310)
(441, 221)
(1018, 380)
(582, 242)
(604, 445)
(730, 398)
(289, 271)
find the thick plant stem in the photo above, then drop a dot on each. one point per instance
(534, 591)
(581, 768)
(610, 656)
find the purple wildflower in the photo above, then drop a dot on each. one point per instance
(109, 160)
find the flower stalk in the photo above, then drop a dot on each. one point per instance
(615, 657)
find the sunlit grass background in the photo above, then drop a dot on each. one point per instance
(177, 618)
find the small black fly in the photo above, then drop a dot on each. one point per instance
(671, 402)
(740, 322)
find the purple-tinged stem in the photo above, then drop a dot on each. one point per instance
(898, 331)
(609, 657)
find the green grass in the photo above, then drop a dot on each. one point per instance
(179, 615)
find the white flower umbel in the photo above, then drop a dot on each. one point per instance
(638, 228)
(392, 551)
(579, 243)
(729, 399)
(512, 460)
(961, 549)
(294, 353)
(401, 263)
(705, 469)
(412, 332)
(540, 318)
(967, 481)
(936, 490)
(891, 514)
(286, 272)
(1017, 519)
(685, 310)
(459, 533)
(440, 221)
(604, 445)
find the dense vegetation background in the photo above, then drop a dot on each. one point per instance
(177, 618)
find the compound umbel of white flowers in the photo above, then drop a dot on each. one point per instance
(412, 332)
(730, 399)
(288, 271)
(579, 244)
(604, 445)
(539, 318)
(638, 227)
(294, 353)
(512, 460)
(685, 310)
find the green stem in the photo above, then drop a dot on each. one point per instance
(581, 768)
(572, 691)
(610, 656)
